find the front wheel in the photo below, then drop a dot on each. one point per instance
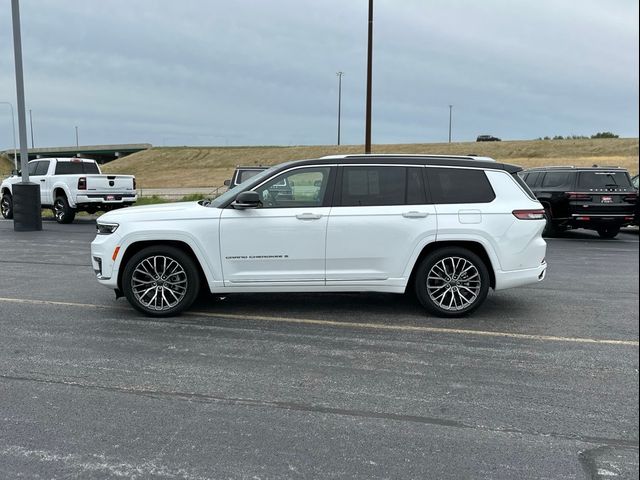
(6, 206)
(160, 281)
(62, 212)
(608, 232)
(452, 282)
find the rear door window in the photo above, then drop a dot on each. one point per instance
(557, 179)
(603, 180)
(458, 185)
(370, 186)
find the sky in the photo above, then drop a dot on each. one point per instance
(255, 72)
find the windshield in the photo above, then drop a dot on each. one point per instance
(598, 180)
(231, 194)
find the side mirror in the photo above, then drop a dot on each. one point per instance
(247, 200)
(227, 182)
(15, 173)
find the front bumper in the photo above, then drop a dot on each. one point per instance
(105, 256)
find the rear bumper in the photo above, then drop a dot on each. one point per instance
(107, 200)
(589, 220)
(518, 278)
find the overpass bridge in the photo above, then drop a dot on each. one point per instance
(99, 153)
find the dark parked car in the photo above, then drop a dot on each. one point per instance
(487, 138)
(636, 217)
(242, 174)
(595, 198)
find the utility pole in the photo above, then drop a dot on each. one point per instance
(26, 195)
(367, 136)
(339, 74)
(77, 145)
(450, 114)
(31, 124)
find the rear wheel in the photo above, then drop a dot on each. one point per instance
(62, 212)
(550, 229)
(160, 281)
(608, 232)
(452, 282)
(6, 206)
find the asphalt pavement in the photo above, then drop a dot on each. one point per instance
(541, 382)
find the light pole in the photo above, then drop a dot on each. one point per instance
(77, 145)
(367, 135)
(26, 195)
(13, 131)
(339, 74)
(31, 125)
(450, 114)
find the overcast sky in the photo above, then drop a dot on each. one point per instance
(255, 72)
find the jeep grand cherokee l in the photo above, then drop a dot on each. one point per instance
(448, 228)
(594, 198)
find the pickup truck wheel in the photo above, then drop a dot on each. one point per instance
(160, 281)
(6, 205)
(452, 282)
(608, 232)
(62, 212)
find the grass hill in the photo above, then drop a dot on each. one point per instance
(5, 166)
(166, 167)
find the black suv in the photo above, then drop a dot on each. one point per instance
(595, 198)
(487, 138)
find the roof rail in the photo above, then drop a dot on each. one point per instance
(419, 155)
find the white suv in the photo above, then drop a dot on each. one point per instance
(447, 227)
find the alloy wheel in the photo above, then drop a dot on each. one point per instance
(159, 282)
(453, 283)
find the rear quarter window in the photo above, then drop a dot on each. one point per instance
(456, 185)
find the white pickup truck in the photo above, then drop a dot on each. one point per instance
(69, 185)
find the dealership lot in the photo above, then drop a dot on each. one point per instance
(541, 382)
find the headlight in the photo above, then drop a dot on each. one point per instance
(106, 228)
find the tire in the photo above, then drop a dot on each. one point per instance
(6, 205)
(143, 280)
(62, 212)
(452, 282)
(608, 232)
(550, 229)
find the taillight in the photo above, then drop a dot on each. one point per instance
(82, 183)
(579, 196)
(134, 183)
(631, 198)
(529, 214)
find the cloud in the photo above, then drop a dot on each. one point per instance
(249, 72)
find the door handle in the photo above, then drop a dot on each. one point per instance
(414, 214)
(308, 216)
(42, 180)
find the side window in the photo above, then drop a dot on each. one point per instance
(32, 168)
(456, 185)
(303, 187)
(532, 178)
(555, 179)
(42, 167)
(369, 186)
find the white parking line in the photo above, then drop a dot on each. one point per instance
(357, 325)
